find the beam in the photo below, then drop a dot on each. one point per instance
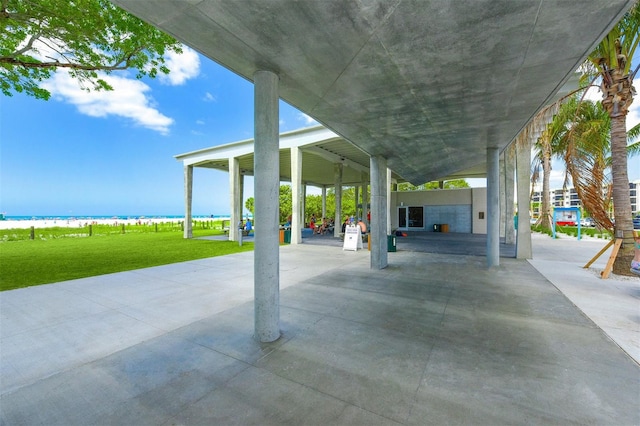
(335, 158)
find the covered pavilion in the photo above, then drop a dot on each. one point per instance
(426, 89)
(312, 156)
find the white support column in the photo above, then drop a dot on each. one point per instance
(509, 164)
(241, 194)
(388, 192)
(356, 193)
(378, 235)
(502, 194)
(493, 207)
(324, 201)
(365, 195)
(296, 195)
(303, 213)
(188, 201)
(337, 174)
(523, 175)
(267, 198)
(234, 197)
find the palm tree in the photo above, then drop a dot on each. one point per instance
(549, 145)
(611, 61)
(585, 144)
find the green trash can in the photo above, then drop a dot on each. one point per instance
(287, 236)
(391, 243)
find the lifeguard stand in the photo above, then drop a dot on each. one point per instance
(566, 215)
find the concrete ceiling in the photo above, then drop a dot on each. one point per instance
(427, 84)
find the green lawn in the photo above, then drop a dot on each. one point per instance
(26, 263)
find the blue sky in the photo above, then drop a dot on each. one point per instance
(113, 153)
(84, 154)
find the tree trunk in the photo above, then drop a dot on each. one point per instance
(621, 202)
(545, 208)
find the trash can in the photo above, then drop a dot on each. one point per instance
(287, 236)
(281, 236)
(391, 243)
(436, 227)
(444, 227)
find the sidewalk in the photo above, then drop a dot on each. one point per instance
(613, 304)
(435, 338)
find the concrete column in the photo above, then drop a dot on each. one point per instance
(365, 195)
(379, 184)
(523, 175)
(502, 193)
(303, 213)
(324, 201)
(337, 174)
(509, 164)
(356, 193)
(234, 198)
(296, 195)
(241, 194)
(188, 201)
(267, 198)
(493, 207)
(388, 193)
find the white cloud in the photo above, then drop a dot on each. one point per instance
(127, 100)
(183, 67)
(208, 97)
(200, 122)
(307, 120)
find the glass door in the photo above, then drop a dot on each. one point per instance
(402, 217)
(410, 217)
(416, 217)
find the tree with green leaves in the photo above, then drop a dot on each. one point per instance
(249, 205)
(585, 143)
(547, 146)
(447, 184)
(611, 63)
(86, 37)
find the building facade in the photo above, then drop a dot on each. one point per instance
(569, 198)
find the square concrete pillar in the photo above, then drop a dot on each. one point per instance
(337, 175)
(235, 200)
(267, 200)
(297, 214)
(493, 207)
(378, 234)
(188, 197)
(524, 249)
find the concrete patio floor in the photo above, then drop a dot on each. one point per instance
(435, 338)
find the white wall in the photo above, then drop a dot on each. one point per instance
(475, 197)
(479, 226)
